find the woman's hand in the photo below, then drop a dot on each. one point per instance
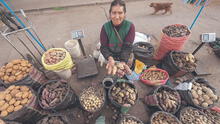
(110, 65)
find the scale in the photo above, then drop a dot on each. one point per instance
(86, 66)
(205, 38)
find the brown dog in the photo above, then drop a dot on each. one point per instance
(161, 6)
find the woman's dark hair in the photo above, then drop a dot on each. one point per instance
(117, 2)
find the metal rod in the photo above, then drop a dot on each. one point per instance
(33, 44)
(22, 24)
(197, 49)
(13, 46)
(29, 50)
(23, 29)
(81, 47)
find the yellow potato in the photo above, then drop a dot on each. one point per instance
(24, 88)
(12, 101)
(17, 61)
(30, 95)
(8, 97)
(25, 94)
(2, 95)
(11, 79)
(6, 77)
(8, 70)
(14, 92)
(19, 77)
(10, 108)
(2, 102)
(17, 103)
(19, 95)
(4, 113)
(4, 107)
(15, 67)
(11, 87)
(9, 65)
(24, 101)
(18, 107)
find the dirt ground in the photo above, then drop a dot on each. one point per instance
(54, 28)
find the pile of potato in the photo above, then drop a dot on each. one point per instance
(212, 115)
(15, 70)
(193, 116)
(203, 95)
(124, 94)
(92, 99)
(52, 120)
(164, 118)
(169, 100)
(153, 75)
(185, 61)
(176, 30)
(130, 120)
(53, 94)
(54, 56)
(14, 98)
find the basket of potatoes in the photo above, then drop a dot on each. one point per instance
(164, 98)
(17, 103)
(123, 94)
(92, 99)
(190, 115)
(202, 95)
(15, 71)
(161, 117)
(128, 119)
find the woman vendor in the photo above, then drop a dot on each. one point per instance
(116, 37)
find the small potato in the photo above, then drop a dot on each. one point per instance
(204, 104)
(24, 101)
(11, 87)
(4, 107)
(9, 65)
(13, 72)
(6, 77)
(17, 103)
(18, 107)
(30, 95)
(4, 113)
(10, 109)
(199, 92)
(8, 70)
(215, 97)
(2, 102)
(210, 102)
(196, 101)
(17, 61)
(8, 97)
(14, 92)
(19, 95)
(194, 94)
(206, 97)
(15, 67)
(19, 77)
(24, 88)
(12, 101)
(11, 79)
(2, 74)
(25, 94)
(2, 95)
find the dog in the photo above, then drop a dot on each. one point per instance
(161, 6)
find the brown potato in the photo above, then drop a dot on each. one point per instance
(15, 67)
(2, 102)
(10, 108)
(12, 101)
(24, 101)
(17, 61)
(18, 107)
(11, 87)
(8, 70)
(9, 65)
(19, 95)
(4, 107)
(2, 74)
(2, 95)
(14, 72)
(4, 113)
(30, 95)
(204, 104)
(11, 79)
(25, 94)
(6, 77)
(24, 88)
(19, 77)
(24, 63)
(8, 97)
(14, 92)
(17, 103)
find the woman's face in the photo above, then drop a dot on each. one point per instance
(117, 15)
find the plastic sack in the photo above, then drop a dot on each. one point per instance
(140, 37)
(168, 43)
(156, 82)
(66, 63)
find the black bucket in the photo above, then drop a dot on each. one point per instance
(68, 100)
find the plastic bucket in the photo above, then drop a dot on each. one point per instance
(72, 46)
(64, 74)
